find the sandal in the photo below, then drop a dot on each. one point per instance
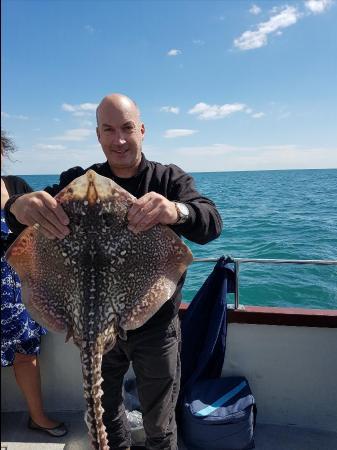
(58, 431)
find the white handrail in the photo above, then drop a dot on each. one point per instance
(273, 261)
(238, 261)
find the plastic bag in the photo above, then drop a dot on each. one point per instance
(133, 414)
(136, 424)
(135, 419)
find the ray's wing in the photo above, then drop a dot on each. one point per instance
(158, 260)
(143, 269)
(34, 259)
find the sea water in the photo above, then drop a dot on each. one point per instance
(287, 214)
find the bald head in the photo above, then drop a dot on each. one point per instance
(120, 133)
(118, 103)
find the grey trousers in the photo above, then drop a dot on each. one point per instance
(156, 362)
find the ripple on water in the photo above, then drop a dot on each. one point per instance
(276, 214)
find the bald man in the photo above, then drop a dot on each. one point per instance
(165, 195)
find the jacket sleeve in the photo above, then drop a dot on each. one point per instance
(23, 187)
(204, 223)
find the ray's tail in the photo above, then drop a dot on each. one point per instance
(91, 357)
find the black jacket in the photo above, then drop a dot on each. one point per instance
(203, 225)
(15, 186)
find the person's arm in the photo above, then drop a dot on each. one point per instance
(40, 207)
(16, 187)
(15, 226)
(22, 187)
(204, 222)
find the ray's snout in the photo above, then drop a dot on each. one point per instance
(92, 194)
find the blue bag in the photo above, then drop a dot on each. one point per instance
(219, 414)
(214, 413)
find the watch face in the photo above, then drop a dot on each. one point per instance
(183, 212)
(183, 209)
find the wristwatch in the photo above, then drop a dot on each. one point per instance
(182, 211)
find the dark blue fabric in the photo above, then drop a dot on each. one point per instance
(218, 414)
(204, 327)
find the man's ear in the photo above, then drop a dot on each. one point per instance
(98, 134)
(142, 130)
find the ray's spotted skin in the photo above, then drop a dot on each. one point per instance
(99, 281)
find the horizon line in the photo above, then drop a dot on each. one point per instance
(207, 171)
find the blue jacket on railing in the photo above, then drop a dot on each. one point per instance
(204, 327)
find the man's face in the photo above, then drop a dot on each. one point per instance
(120, 134)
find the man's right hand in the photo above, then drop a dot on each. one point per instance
(41, 208)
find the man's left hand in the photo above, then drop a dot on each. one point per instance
(150, 210)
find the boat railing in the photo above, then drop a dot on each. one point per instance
(238, 261)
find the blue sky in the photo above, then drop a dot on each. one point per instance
(222, 86)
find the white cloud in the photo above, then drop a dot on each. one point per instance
(5, 115)
(174, 52)
(178, 132)
(83, 109)
(67, 107)
(81, 113)
(284, 115)
(255, 10)
(89, 28)
(258, 115)
(317, 6)
(171, 109)
(50, 147)
(224, 157)
(208, 112)
(213, 157)
(20, 117)
(284, 18)
(86, 123)
(34, 160)
(255, 115)
(198, 42)
(76, 134)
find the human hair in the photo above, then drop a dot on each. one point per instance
(7, 144)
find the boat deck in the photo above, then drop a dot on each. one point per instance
(16, 436)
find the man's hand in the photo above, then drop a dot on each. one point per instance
(41, 208)
(150, 210)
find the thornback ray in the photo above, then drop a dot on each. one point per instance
(99, 281)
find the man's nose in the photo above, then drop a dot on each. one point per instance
(119, 138)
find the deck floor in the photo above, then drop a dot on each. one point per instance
(16, 436)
